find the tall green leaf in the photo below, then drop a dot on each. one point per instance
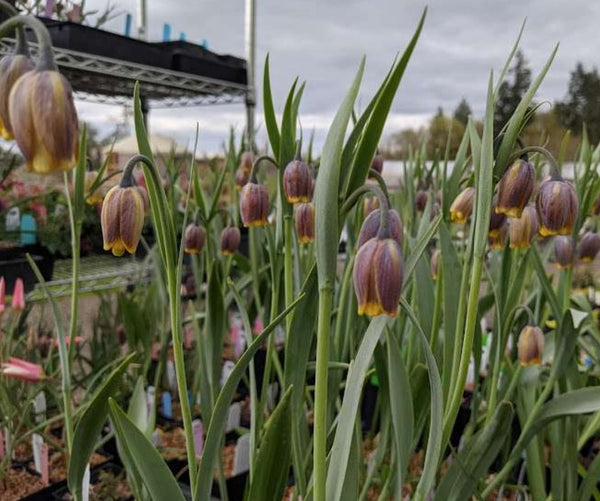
(155, 473)
(273, 457)
(89, 427)
(218, 419)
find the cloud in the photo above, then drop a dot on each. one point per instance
(322, 43)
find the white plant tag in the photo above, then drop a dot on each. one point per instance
(150, 399)
(171, 378)
(85, 487)
(233, 418)
(36, 444)
(39, 407)
(241, 460)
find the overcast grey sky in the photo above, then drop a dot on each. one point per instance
(322, 42)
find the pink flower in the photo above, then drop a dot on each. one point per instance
(78, 340)
(18, 296)
(2, 295)
(258, 326)
(21, 369)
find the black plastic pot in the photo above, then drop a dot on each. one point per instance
(14, 264)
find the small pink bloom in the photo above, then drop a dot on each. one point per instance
(258, 326)
(18, 296)
(2, 295)
(21, 369)
(78, 340)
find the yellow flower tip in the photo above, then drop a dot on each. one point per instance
(586, 259)
(256, 224)
(305, 240)
(551, 324)
(457, 217)
(191, 251)
(227, 253)
(373, 309)
(547, 232)
(512, 212)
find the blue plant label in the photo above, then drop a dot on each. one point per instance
(167, 407)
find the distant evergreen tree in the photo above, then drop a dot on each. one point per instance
(582, 103)
(511, 92)
(462, 112)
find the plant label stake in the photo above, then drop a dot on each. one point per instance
(85, 487)
(156, 438)
(171, 379)
(241, 460)
(44, 464)
(167, 407)
(233, 418)
(13, 219)
(39, 407)
(36, 444)
(198, 437)
(226, 371)
(272, 391)
(150, 392)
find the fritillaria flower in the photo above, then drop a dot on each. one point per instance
(370, 226)
(369, 205)
(230, 240)
(12, 67)
(462, 207)
(122, 217)
(21, 369)
(377, 163)
(515, 188)
(194, 238)
(254, 204)
(564, 251)
(530, 346)
(304, 217)
(44, 121)
(588, 246)
(421, 200)
(557, 207)
(522, 230)
(434, 264)
(378, 275)
(297, 182)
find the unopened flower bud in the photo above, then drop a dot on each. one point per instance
(254, 204)
(378, 275)
(304, 216)
(563, 251)
(530, 346)
(515, 188)
(369, 205)
(588, 246)
(297, 182)
(194, 238)
(230, 240)
(462, 207)
(497, 220)
(557, 207)
(18, 295)
(497, 239)
(122, 218)
(12, 67)
(421, 200)
(377, 164)
(370, 227)
(246, 160)
(44, 121)
(522, 230)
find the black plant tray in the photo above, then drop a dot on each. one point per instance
(81, 38)
(195, 59)
(14, 264)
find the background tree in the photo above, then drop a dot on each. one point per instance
(442, 128)
(582, 103)
(462, 112)
(511, 91)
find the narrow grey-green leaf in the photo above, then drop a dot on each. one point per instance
(153, 470)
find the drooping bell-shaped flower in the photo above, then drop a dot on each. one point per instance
(462, 206)
(304, 217)
(194, 238)
(522, 230)
(370, 226)
(557, 207)
(297, 182)
(254, 204)
(230, 240)
(515, 188)
(12, 67)
(530, 346)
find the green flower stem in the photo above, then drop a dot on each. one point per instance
(320, 410)
(516, 450)
(288, 268)
(21, 47)
(46, 57)
(168, 247)
(554, 167)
